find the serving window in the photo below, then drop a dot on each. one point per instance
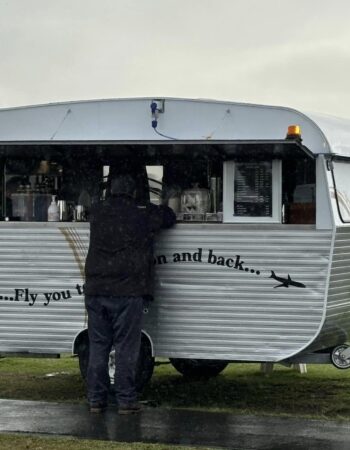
(202, 182)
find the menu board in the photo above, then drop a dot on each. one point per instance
(253, 189)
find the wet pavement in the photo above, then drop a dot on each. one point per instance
(175, 426)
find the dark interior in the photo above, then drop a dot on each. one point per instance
(79, 173)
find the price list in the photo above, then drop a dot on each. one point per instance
(253, 189)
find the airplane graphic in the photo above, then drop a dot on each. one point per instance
(286, 282)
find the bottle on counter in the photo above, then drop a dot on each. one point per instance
(53, 213)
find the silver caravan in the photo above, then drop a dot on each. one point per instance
(257, 267)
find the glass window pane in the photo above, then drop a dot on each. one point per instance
(342, 183)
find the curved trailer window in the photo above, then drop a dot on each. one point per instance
(341, 174)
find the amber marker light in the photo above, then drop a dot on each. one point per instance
(294, 132)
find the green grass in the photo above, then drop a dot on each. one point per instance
(43, 379)
(20, 442)
(323, 392)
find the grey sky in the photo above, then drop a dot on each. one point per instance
(282, 52)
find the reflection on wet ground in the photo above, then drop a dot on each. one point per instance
(175, 426)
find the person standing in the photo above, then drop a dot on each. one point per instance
(119, 275)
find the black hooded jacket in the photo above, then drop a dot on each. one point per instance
(120, 256)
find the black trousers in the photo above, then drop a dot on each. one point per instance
(113, 321)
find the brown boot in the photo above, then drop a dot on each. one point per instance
(131, 408)
(97, 408)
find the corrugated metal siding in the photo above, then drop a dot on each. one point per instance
(37, 257)
(337, 324)
(208, 310)
(201, 309)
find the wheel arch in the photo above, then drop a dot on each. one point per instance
(147, 336)
(83, 337)
(80, 338)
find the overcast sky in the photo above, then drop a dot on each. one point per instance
(278, 52)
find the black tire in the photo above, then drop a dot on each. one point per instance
(83, 355)
(145, 364)
(198, 368)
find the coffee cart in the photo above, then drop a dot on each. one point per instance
(257, 267)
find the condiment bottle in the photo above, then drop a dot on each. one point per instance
(53, 213)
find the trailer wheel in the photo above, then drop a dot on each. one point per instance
(83, 355)
(340, 356)
(198, 368)
(145, 365)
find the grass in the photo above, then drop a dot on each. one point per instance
(43, 379)
(19, 442)
(323, 392)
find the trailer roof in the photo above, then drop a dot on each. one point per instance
(182, 119)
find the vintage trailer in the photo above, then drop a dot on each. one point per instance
(257, 267)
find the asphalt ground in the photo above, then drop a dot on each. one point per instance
(174, 426)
